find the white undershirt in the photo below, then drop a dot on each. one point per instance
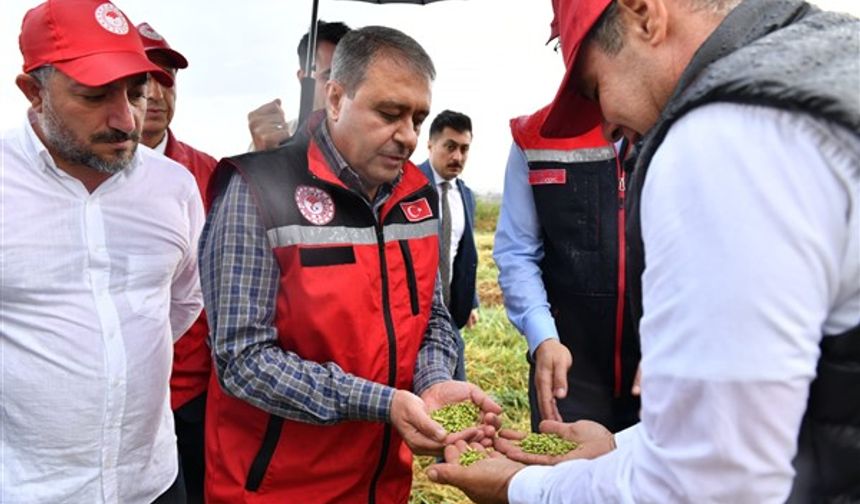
(162, 145)
(458, 214)
(750, 221)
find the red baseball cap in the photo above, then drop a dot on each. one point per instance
(91, 41)
(154, 43)
(570, 114)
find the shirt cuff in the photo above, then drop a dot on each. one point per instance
(625, 436)
(369, 401)
(428, 376)
(525, 487)
(539, 327)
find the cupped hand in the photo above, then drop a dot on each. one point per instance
(485, 482)
(593, 440)
(420, 432)
(453, 391)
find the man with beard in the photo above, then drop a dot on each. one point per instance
(192, 360)
(98, 265)
(744, 239)
(450, 140)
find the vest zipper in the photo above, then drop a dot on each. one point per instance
(622, 269)
(392, 359)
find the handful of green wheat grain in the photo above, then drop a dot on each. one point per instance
(546, 444)
(458, 416)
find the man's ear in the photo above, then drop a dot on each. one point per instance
(645, 19)
(300, 74)
(32, 91)
(334, 96)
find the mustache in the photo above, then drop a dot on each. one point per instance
(455, 165)
(113, 136)
(396, 152)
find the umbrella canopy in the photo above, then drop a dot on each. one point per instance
(307, 99)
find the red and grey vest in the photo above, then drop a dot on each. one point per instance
(353, 290)
(762, 54)
(192, 360)
(579, 186)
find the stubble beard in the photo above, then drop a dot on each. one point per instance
(62, 141)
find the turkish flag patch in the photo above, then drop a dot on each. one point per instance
(416, 211)
(548, 176)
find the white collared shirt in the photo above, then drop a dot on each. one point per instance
(751, 226)
(93, 290)
(458, 214)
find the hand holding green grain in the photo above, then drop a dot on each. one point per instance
(591, 440)
(478, 428)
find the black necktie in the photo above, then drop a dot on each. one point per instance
(445, 258)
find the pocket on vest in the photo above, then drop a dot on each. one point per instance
(327, 256)
(264, 455)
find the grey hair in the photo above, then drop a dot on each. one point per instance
(42, 74)
(358, 48)
(608, 31)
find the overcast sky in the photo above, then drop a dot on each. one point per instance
(490, 58)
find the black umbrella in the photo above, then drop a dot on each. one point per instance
(307, 99)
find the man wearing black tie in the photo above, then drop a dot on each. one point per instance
(450, 138)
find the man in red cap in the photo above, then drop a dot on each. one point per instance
(192, 361)
(99, 269)
(745, 202)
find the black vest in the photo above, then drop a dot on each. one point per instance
(788, 55)
(579, 222)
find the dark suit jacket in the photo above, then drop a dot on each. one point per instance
(464, 297)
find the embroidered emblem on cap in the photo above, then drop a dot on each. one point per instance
(148, 32)
(315, 204)
(111, 19)
(416, 211)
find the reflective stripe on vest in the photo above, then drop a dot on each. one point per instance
(296, 234)
(569, 156)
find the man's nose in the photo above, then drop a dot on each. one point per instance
(121, 114)
(407, 134)
(611, 131)
(154, 90)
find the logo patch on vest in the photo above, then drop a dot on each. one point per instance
(315, 204)
(548, 176)
(416, 211)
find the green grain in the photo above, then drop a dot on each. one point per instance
(457, 417)
(470, 456)
(546, 444)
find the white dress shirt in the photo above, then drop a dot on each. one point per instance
(751, 226)
(94, 289)
(458, 214)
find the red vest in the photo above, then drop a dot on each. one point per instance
(192, 361)
(352, 292)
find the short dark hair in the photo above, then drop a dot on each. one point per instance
(326, 32)
(457, 121)
(358, 48)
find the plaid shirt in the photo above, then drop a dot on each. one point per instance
(240, 275)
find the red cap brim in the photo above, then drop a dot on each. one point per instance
(569, 113)
(102, 68)
(175, 59)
